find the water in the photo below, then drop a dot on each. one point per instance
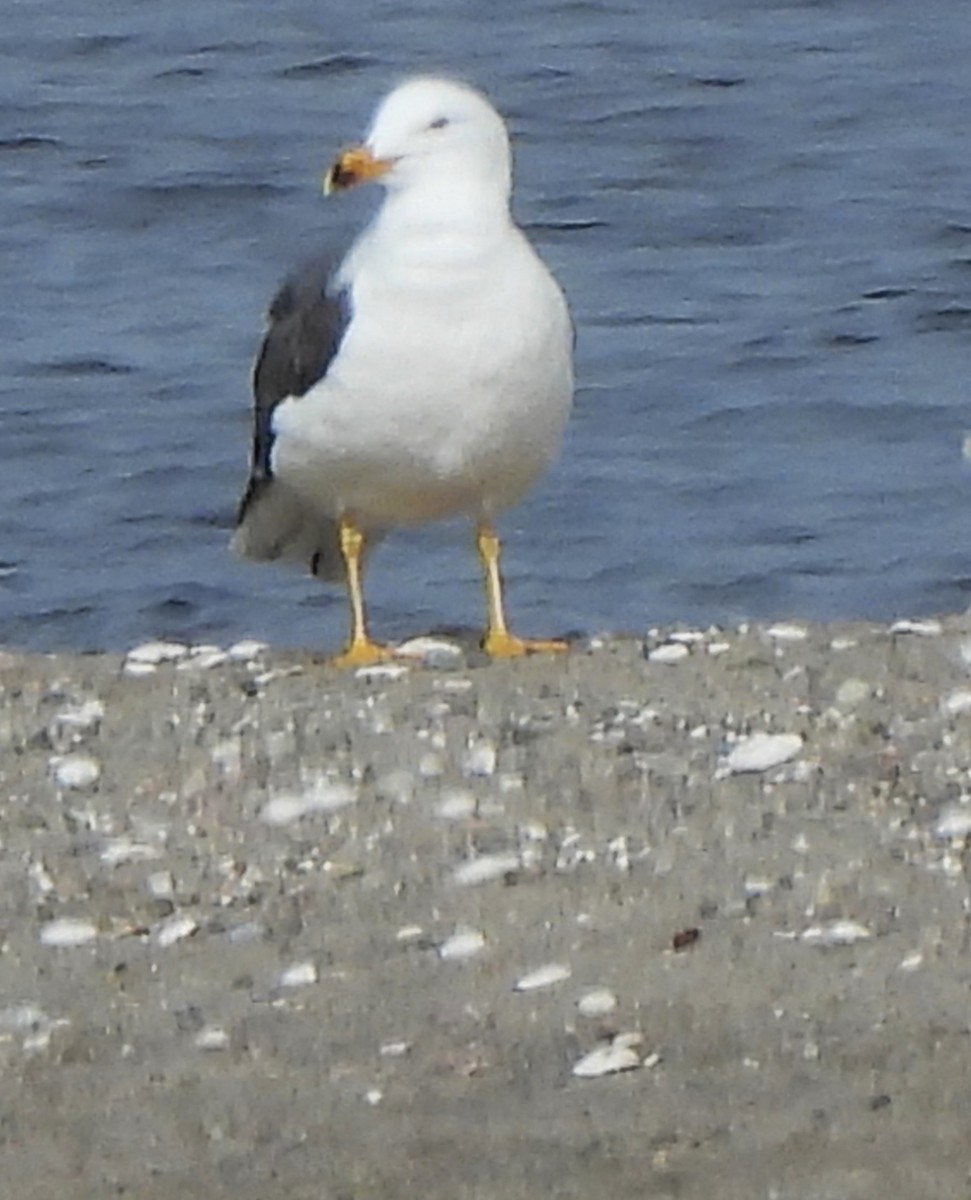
(762, 215)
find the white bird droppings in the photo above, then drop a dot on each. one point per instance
(246, 650)
(597, 1002)
(431, 652)
(912, 961)
(212, 1037)
(480, 759)
(123, 850)
(485, 868)
(68, 931)
(175, 929)
(83, 718)
(670, 652)
(138, 668)
(836, 933)
(954, 822)
(786, 632)
(394, 1049)
(76, 771)
(761, 752)
(690, 637)
(153, 654)
(299, 975)
(323, 795)
(382, 672)
(618, 1055)
(409, 933)
(926, 628)
(543, 977)
(851, 693)
(203, 658)
(161, 885)
(463, 944)
(957, 702)
(456, 805)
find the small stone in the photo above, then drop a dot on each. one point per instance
(597, 1002)
(394, 1049)
(76, 771)
(68, 931)
(718, 648)
(543, 977)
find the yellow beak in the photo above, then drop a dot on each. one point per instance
(354, 166)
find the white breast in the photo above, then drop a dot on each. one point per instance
(450, 390)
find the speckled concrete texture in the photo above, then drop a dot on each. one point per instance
(230, 885)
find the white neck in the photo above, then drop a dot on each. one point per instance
(444, 206)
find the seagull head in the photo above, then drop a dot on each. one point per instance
(430, 133)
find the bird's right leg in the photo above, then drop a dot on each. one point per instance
(360, 651)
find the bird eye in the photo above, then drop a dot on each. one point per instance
(439, 123)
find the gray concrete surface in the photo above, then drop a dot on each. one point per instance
(811, 1042)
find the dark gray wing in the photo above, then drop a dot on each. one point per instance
(307, 322)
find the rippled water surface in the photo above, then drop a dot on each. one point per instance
(761, 213)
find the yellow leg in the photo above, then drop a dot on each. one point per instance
(499, 642)
(360, 650)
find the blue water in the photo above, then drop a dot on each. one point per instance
(761, 213)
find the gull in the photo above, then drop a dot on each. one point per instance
(429, 375)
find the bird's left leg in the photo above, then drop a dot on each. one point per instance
(360, 651)
(499, 642)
